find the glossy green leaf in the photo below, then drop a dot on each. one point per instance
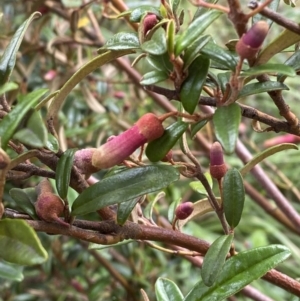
(20, 244)
(198, 186)
(25, 199)
(138, 12)
(8, 87)
(264, 154)
(158, 43)
(8, 58)
(157, 149)
(195, 29)
(160, 62)
(270, 68)
(124, 210)
(122, 41)
(192, 86)
(226, 121)
(233, 197)
(239, 271)
(11, 272)
(172, 208)
(11, 121)
(256, 88)
(294, 62)
(167, 290)
(214, 259)
(220, 55)
(193, 51)
(124, 186)
(154, 77)
(63, 172)
(52, 143)
(196, 127)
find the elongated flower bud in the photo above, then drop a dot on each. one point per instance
(218, 167)
(149, 22)
(250, 43)
(117, 149)
(184, 210)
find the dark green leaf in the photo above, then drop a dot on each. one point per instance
(158, 43)
(122, 41)
(196, 127)
(226, 121)
(11, 272)
(157, 149)
(124, 186)
(218, 54)
(160, 62)
(154, 77)
(215, 258)
(8, 87)
(195, 29)
(256, 88)
(233, 197)
(52, 143)
(293, 61)
(270, 68)
(10, 122)
(167, 290)
(124, 210)
(27, 137)
(224, 79)
(8, 59)
(192, 86)
(20, 244)
(63, 172)
(138, 12)
(194, 50)
(239, 271)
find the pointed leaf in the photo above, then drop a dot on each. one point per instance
(154, 77)
(214, 259)
(195, 128)
(11, 121)
(264, 154)
(157, 149)
(8, 59)
(20, 244)
(52, 143)
(124, 186)
(174, 5)
(233, 197)
(122, 41)
(226, 121)
(198, 186)
(192, 86)
(239, 271)
(172, 208)
(167, 290)
(293, 61)
(158, 43)
(63, 172)
(36, 125)
(11, 272)
(138, 12)
(160, 62)
(148, 211)
(270, 68)
(8, 87)
(195, 29)
(124, 210)
(27, 137)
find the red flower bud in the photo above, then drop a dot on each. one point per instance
(250, 43)
(168, 157)
(116, 150)
(184, 210)
(149, 22)
(217, 166)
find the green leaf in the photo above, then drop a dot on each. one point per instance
(8, 87)
(198, 186)
(63, 172)
(195, 29)
(122, 41)
(11, 272)
(36, 125)
(196, 127)
(157, 149)
(160, 62)
(214, 259)
(256, 88)
(8, 59)
(224, 79)
(148, 211)
(172, 208)
(124, 186)
(192, 86)
(124, 210)
(219, 55)
(20, 244)
(270, 68)
(193, 51)
(233, 197)
(11, 121)
(226, 121)
(170, 37)
(154, 77)
(264, 154)
(174, 5)
(27, 137)
(52, 143)
(239, 271)
(167, 290)
(293, 61)
(158, 43)
(138, 12)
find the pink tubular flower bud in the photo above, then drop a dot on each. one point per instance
(250, 43)
(116, 150)
(149, 22)
(218, 167)
(83, 161)
(184, 210)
